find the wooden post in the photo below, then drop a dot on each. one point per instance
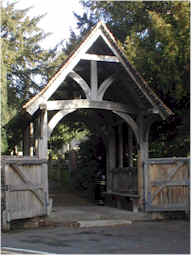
(31, 131)
(130, 147)
(94, 80)
(120, 146)
(141, 162)
(111, 158)
(26, 141)
(43, 140)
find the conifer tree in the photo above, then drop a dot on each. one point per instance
(155, 36)
(24, 64)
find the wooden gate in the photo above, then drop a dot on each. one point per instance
(24, 188)
(167, 184)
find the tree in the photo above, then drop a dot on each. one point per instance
(155, 37)
(24, 64)
(64, 134)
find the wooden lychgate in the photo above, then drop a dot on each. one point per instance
(107, 83)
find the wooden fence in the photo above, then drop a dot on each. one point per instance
(167, 184)
(124, 180)
(24, 188)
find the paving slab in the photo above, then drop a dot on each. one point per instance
(102, 223)
(94, 216)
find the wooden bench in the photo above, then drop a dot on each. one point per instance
(124, 185)
(125, 194)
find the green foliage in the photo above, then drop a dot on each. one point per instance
(24, 64)
(83, 176)
(155, 36)
(64, 134)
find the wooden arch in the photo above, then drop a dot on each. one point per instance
(84, 104)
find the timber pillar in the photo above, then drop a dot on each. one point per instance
(130, 147)
(28, 142)
(142, 158)
(111, 158)
(120, 146)
(43, 139)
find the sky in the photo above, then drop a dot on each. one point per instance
(59, 18)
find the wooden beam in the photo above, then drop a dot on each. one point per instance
(81, 82)
(96, 57)
(84, 103)
(104, 86)
(24, 187)
(55, 120)
(170, 183)
(60, 76)
(167, 160)
(94, 80)
(23, 161)
(129, 71)
(130, 121)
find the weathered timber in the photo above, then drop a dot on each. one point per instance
(120, 146)
(94, 80)
(31, 133)
(169, 160)
(31, 187)
(133, 197)
(24, 188)
(111, 158)
(124, 194)
(85, 87)
(96, 57)
(130, 147)
(26, 141)
(124, 180)
(27, 161)
(60, 76)
(138, 117)
(168, 184)
(170, 175)
(43, 140)
(56, 118)
(84, 103)
(104, 86)
(130, 121)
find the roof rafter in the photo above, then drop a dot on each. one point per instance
(100, 30)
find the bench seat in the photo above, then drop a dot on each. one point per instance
(126, 194)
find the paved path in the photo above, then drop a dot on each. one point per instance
(163, 237)
(92, 212)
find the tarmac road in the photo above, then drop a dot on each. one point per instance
(154, 237)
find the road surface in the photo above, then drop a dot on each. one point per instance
(155, 237)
